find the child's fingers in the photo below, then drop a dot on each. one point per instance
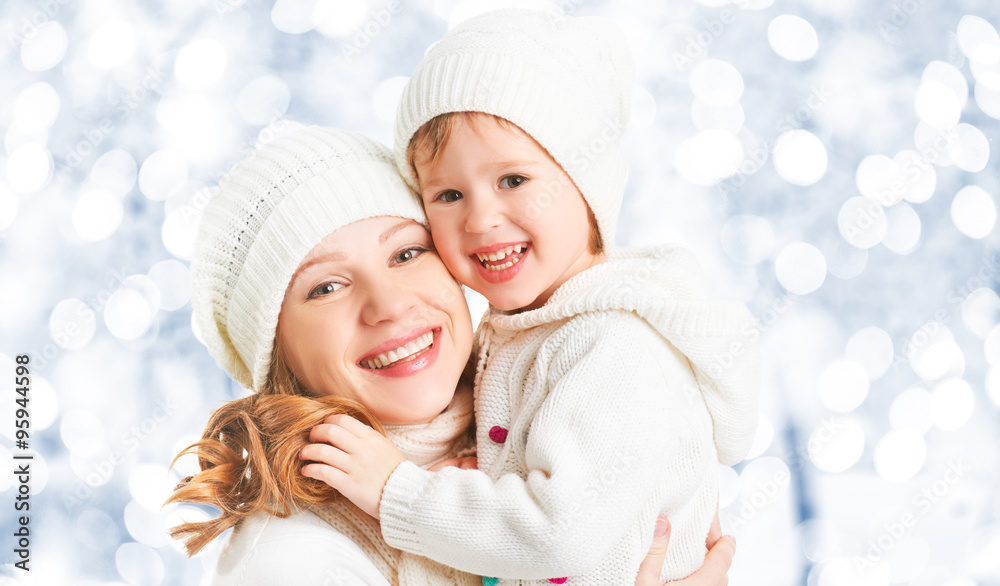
(649, 570)
(338, 479)
(326, 454)
(350, 424)
(335, 435)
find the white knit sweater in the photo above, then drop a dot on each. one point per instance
(609, 404)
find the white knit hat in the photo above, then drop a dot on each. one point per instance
(566, 81)
(262, 220)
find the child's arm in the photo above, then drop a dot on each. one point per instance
(596, 452)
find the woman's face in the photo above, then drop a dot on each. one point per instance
(371, 314)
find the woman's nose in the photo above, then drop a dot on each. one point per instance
(388, 300)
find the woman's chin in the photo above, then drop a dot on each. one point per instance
(400, 413)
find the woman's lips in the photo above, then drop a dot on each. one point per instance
(406, 359)
(406, 351)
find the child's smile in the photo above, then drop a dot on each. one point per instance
(501, 262)
(506, 219)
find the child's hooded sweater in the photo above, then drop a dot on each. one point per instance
(613, 402)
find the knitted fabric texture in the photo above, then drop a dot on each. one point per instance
(261, 221)
(619, 397)
(448, 435)
(566, 81)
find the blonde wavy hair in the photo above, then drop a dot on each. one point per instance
(249, 455)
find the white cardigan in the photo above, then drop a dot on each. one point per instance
(300, 550)
(609, 404)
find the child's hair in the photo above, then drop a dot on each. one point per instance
(249, 456)
(433, 137)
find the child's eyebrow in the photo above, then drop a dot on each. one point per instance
(508, 164)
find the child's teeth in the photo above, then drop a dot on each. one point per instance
(500, 255)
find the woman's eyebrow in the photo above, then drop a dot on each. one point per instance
(332, 256)
(393, 229)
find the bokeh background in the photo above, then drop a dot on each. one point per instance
(832, 164)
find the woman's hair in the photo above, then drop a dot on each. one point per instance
(249, 455)
(433, 136)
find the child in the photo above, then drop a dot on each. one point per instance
(608, 384)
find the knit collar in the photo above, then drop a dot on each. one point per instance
(427, 443)
(629, 277)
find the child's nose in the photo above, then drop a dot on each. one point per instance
(483, 215)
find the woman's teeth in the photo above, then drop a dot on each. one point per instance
(406, 352)
(511, 251)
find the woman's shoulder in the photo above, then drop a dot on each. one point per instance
(300, 549)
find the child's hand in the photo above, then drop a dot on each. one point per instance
(466, 463)
(352, 458)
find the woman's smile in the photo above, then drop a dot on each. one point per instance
(403, 353)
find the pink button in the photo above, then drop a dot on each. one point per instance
(558, 580)
(499, 435)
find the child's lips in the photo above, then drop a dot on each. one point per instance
(501, 264)
(502, 257)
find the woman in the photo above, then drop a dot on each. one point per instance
(318, 227)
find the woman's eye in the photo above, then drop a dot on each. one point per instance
(449, 196)
(405, 256)
(512, 181)
(325, 289)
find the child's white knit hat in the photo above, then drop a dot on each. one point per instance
(566, 81)
(264, 217)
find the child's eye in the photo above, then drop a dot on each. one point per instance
(449, 196)
(326, 289)
(512, 181)
(405, 256)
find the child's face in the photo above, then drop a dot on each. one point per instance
(495, 192)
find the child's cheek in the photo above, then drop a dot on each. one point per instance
(445, 243)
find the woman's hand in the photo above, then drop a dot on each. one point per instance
(352, 458)
(466, 463)
(714, 572)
